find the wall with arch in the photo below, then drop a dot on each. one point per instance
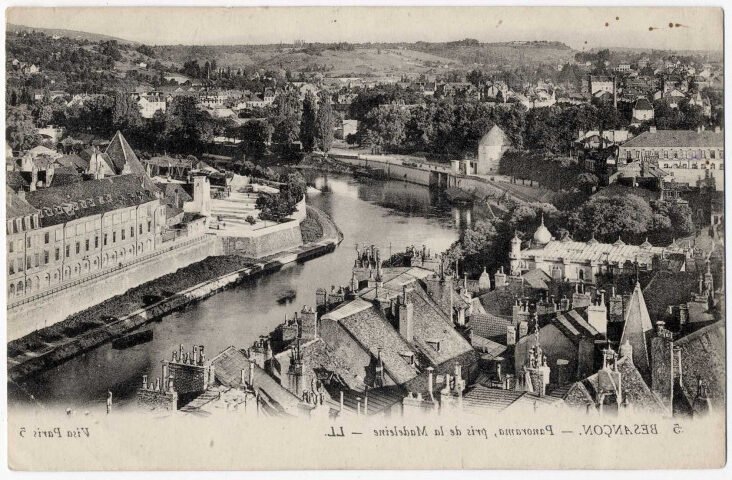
(46, 311)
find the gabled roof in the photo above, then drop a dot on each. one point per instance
(494, 137)
(633, 388)
(637, 329)
(121, 154)
(642, 104)
(677, 138)
(16, 207)
(92, 197)
(228, 366)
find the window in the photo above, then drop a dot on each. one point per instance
(45, 257)
(114, 237)
(57, 253)
(28, 242)
(132, 232)
(28, 262)
(10, 247)
(712, 154)
(665, 154)
(123, 233)
(11, 267)
(20, 264)
(86, 244)
(96, 241)
(68, 251)
(140, 229)
(78, 247)
(46, 237)
(665, 165)
(104, 240)
(149, 226)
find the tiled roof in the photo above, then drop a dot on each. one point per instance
(634, 389)
(73, 161)
(589, 251)
(481, 398)
(488, 347)
(636, 330)
(227, 369)
(373, 332)
(120, 153)
(17, 207)
(678, 138)
(537, 278)
(642, 104)
(380, 399)
(15, 181)
(703, 355)
(489, 326)
(92, 197)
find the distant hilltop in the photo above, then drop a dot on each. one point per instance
(73, 34)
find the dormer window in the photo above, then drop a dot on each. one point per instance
(408, 356)
(435, 344)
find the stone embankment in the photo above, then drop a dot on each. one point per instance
(151, 301)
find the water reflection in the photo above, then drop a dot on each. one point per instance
(373, 212)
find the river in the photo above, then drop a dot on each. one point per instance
(371, 212)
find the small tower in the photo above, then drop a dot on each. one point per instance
(514, 255)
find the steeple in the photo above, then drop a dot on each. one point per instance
(637, 330)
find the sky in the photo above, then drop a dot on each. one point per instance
(693, 28)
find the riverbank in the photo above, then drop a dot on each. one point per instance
(150, 301)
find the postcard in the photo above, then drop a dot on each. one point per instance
(365, 237)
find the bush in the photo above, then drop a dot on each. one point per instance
(251, 220)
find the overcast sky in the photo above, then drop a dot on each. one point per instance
(700, 28)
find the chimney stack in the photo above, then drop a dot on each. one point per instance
(406, 318)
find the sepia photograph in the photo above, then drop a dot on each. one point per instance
(365, 237)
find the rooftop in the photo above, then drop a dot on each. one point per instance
(77, 200)
(677, 138)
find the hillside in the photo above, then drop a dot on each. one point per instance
(73, 34)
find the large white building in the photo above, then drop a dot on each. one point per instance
(688, 156)
(580, 261)
(490, 150)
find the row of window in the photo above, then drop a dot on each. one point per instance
(67, 253)
(689, 154)
(47, 236)
(25, 287)
(694, 166)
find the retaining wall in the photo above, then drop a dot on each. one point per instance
(53, 308)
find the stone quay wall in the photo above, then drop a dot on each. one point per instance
(58, 305)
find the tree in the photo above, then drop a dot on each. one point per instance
(611, 217)
(255, 137)
(324, 125)
(307, 122)
(19, 130)
(384, 127)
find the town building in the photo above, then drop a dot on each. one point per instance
(642, 112)
(567, 259)
(61, 234)
(688, 156)
(490, 151)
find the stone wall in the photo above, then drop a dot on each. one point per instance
(46, 311)
(157, 400)
(267, 242)
(190, 378)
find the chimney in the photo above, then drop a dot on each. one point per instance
(430, 382)
(251, 374)
(562, 373)
(626, 350)
(597, 314)
(652, 129)
(406, 318)
(510, 335)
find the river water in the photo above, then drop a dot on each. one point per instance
(370, 212)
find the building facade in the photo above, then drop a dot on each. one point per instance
(59, 235)
(688, 156)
